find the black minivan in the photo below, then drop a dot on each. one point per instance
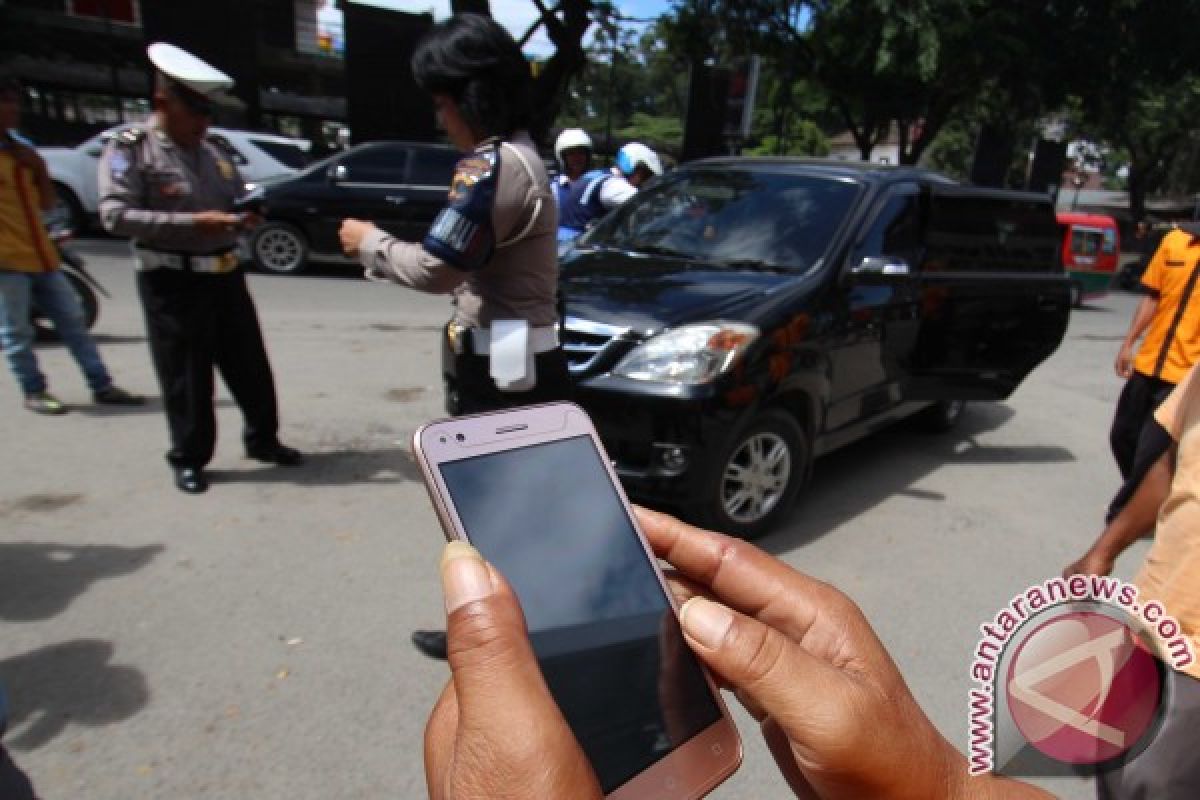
(740, 317)
(400, 186)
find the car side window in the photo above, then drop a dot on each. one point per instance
(894, 231)
(432, 168)
(375, 165)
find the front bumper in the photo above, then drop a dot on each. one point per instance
(663, 441)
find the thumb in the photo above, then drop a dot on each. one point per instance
(487, 644)
(773, 675)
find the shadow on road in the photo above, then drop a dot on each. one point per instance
(40, 579)
(331, 468)
(859, 477)
(70, 682)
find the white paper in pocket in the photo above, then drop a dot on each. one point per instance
(511, 361)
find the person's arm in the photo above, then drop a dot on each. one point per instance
(1142, 318)
(386, 258)
(121, 198)
(29, 158)
(616, 191)
(1135, 520)
(834, 709)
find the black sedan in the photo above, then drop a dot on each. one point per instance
(400, 186)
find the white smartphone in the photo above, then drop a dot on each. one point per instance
(532, 490)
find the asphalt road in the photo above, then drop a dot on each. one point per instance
(253, 642)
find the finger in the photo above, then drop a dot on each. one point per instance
(778, 678)
(741, 575)
(683, 588)
(488, 648)
(440, 731)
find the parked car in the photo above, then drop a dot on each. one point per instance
(259, 157)
(740, 317)
(400, 186)
(1090, 248)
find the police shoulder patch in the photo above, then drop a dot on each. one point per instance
(470, 171)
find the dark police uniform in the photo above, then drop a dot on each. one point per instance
(198, 311)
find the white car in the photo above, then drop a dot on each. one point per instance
(258, 156)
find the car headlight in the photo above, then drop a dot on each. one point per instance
(690, 354)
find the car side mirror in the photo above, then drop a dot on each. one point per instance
(338, 173)
(881, 265)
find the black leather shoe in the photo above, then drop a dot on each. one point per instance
(279, 454)
(191, 480)
(430, 643)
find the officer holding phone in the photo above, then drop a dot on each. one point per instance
(172, 191)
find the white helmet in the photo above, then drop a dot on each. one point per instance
(569, 139)
(636, 153)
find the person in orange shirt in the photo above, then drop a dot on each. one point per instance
(29, 272)
(1169, 317)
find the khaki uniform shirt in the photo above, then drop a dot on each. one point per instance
(150, 190)
(520, 278)
(1171, 573)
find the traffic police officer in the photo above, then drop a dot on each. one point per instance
(493, 245)
(172, 191)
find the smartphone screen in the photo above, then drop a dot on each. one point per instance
(549, 518)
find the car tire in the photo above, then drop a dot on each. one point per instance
(943, 416)
(755, 481)
(279, 248)
(69, 208)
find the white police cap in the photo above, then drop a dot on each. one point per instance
(185, 69)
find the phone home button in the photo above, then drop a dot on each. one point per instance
(670, 784)
(716, 749)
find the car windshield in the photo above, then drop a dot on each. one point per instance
(739, 218)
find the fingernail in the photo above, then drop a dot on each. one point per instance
(465, 577)
(705, 621)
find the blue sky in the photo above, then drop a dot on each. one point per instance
(518, 15)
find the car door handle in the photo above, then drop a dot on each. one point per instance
(396, 199)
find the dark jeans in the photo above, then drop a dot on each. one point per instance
(1169, 767)
(473, 391)
(14, 784)
(196, 322)
(1139, 399)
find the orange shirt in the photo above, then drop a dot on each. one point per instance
(24, 244)
(1172, 343)
(1171, 572)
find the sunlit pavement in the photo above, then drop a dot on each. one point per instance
(253, 641)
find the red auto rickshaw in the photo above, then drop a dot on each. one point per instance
(1090, 251)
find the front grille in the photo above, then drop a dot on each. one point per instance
(588, 345)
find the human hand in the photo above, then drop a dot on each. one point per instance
(352, 233)
(834, 709)
(496, 733)
(1093, 562)
(216, 221)
(249, 220)
(1124, 362)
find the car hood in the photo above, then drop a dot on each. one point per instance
(649, 293)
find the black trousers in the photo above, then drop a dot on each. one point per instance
(1169, 766)
(196, 322)
(1139, 399)
(471, 389)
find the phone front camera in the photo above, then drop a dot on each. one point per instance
(460, 437)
